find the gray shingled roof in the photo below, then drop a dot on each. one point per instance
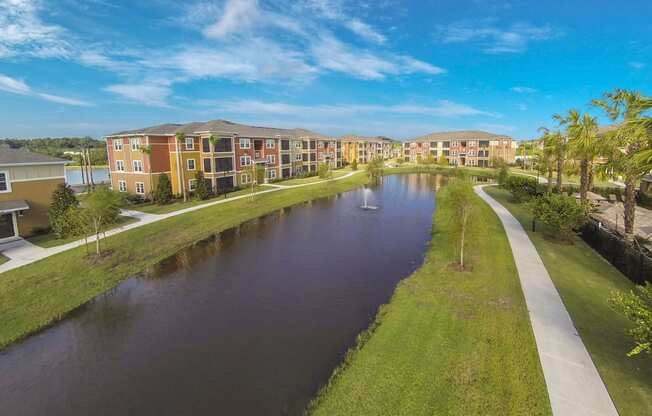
(223, 127)
(459, 135)
(9, 156)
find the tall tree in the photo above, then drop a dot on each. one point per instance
(147, 150)
(181, 138)
(625, 144)
(213, 140)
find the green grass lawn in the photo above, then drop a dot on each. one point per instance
(3, 259)
(38, 294)
(574, 179)
(444, 169)
(299, 181)
(152, 208)
(448, 343)
(585, 281)
(50, 240)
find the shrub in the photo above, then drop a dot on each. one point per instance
(163, 191)
(324, 171)
(523, 188)
(644, 199)
(63, 199)
(203, 189)
(562, 214)
(443, 161)
(503, 174)
(354, 165)
(637, 307)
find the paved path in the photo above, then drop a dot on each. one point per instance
(574, 385)
(22, 252)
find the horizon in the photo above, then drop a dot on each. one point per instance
(393, 69)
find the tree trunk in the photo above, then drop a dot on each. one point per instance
(81, 168)
(549, 184)
(560, 168)
(591, 177)
(97, 238)
(630, 204)
(90, 168)
(88, 176)
(584, 179)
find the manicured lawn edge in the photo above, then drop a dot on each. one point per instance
(37, 295)
(447, 342)
(3, 259)
(585, 281)
(49, 240)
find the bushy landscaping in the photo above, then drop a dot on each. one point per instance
(449, 342)
(586, 283)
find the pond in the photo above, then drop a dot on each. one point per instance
(250, 322)
(74, 175)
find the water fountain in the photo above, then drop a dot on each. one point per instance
(366, 205)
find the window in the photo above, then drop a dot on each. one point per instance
(445, 145)
(192, 184)
(245, 178)
(285, 159)
(122, 186)
(223, 164)
(298, 158)
(135, 143)
(191, 164)
(312, 145)
(223, 145)
(120, 165)
(138, 165)
(117, 144)
(297, 144)
(271, 159)
(271, 174)
(190, 143)
(207, 165)
(321, 145)
(5, 186)
(140, 188)
(285, 145)
(245, 144)
(245, 160)
(269, 143)
(205, 145)
(313, 157)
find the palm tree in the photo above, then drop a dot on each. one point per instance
(181, 138)
(147, 150)
(628, 143)
(548, 155)
(583, 145)
(213, 141)
(561, 146)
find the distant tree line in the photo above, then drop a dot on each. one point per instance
(57, 147)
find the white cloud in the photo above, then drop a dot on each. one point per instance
(637, 65)
(152, 94)
(367, 32)
(16, 86)
(494, 39)
(237, 15)
(524, 90)
(22, 32)
(13, 85)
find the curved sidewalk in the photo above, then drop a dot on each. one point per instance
(574, 384)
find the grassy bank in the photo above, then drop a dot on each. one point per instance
(51, 240)
(38, 294)
(177, 204)
(585, 281)
(443, 169)
(448, 343)
(299, 181)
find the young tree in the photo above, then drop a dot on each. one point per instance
(213, 140)
(375, 170)
(181, 138)
(256, 173)
(637, 307)
(163, 192)
(628, 140)
(443, 160)
(203, 189)
(354, 164)
(324, 171)
(101, 208)
(459, 198)
(562, 214)
(548, 156)
(503, 173)
(430, 159)
(63, 199)
(147, 150)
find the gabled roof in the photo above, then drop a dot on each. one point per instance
(221, 127)
(459, 135)
(9, 156)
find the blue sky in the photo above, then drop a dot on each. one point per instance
(384, 67)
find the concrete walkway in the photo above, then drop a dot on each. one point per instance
(22, 252)
(574, 384)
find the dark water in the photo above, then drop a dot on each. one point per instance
(250, 323)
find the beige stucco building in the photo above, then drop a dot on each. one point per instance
(27, 181)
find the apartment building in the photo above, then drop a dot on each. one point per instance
(221, 149)
(27, 181)
(461, 148)
(365, 149)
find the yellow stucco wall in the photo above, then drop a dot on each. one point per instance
(37, 194)
(187, 175)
